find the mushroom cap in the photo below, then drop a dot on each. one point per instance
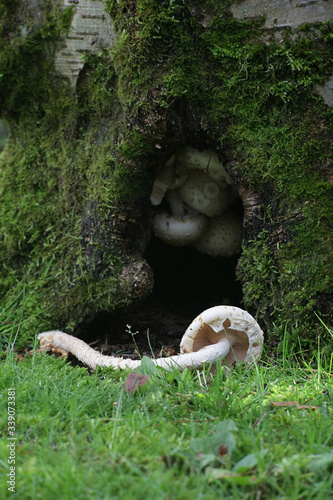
(179, 231)
(206, 160)
(223, 237)
(225, 322)
(202, 193)
(167, 177)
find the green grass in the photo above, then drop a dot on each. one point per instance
(182, 435)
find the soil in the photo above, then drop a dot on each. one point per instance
(154, 329)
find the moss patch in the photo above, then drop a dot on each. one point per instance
(278, 134)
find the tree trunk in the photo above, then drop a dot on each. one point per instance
(99, 96)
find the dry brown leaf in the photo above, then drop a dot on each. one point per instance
(307, 407)
(285, 403)
(134, 381)
(222, 450)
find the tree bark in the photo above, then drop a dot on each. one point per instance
(99, 95)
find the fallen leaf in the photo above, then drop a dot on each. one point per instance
(167, 351)
(307, 407)
(285, 403)
(222, 450)
(134, 381)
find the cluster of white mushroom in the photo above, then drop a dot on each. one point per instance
(198, 191)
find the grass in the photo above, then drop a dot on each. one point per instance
(181, 435)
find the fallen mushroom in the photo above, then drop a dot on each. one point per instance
(223, 333)
(230, 326)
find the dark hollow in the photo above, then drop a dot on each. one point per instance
(185, 277)
(186, 282)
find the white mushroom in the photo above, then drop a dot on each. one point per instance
(60, 343)
(230, 326)
(223, 237)
(179, 231)
(223, 333)
(176, 204)
(202, 193)
(206, 160)
(168, 178)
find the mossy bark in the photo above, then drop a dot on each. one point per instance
(85, 146)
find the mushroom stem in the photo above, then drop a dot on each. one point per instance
(176, 204)
(62, 342)
(207, 355)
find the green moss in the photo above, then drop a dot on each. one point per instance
(75, 162)
(23, 81)
(66, 18)
(69, 179)
(8, 12)
(261, 275)
(57, 216)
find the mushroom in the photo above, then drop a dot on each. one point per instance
(223, 237)
(197, 188)
(176, 204)
(223, 333)
(233, 329)
(206, 160)
(179, 231)
(60, 343)
(168, 178)
(202, 193)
